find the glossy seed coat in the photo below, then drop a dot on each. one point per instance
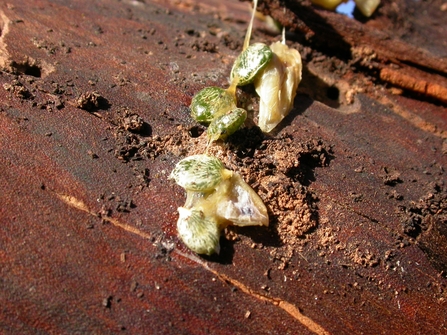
(199, 173)
(225, 125)
(199, 233)
(210, 103)
(232, 202)
(247, 65)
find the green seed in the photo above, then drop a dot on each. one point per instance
(199, 233)
(225, 125)
(250, 62)
(198, 173)
(211, 102)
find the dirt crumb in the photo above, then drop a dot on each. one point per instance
(365, 258)
(390, 176)
(425, 221)
(230, 42)
(204, 45)
(415, 216)
(91, 101)
(328, 238)
(18, 89)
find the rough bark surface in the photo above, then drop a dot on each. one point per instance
(94, 115)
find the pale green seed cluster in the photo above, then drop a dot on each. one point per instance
(216, 197)
(275, 72)
(217, 106)
(199, 233)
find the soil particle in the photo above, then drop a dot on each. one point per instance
(42, 44)
(204, 45)
(365, 258)
(133, 123)
(113, 202)
(444, 147)
(230, 42)
(50, 104)
(124, 205)
(425, 221)
(17, 88)
(165, 247)
(107, 302)
(327, 237)
(132, 136)
(395, 195)
(42, 94)
(390, 176)
(130, 146)
(417, 215)
(133, 286)
(91, 101)
(92, 154)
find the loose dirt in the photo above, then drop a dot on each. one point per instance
(276, 168)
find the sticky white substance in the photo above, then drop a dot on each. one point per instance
(242, 206)
(276, 85)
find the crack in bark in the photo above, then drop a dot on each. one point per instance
(80, 205)
(412, 118)
(288, 307)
